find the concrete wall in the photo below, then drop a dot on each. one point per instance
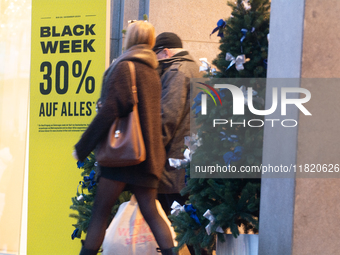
(317, 211)
(192, 20)
(300, 216)
(280, 144)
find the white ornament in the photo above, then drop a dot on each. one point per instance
(176, 208)
(206, 67)
(81, 197)
(211, 218)
(246, 5)
(238, 61)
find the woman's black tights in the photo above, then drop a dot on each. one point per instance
(107, 194)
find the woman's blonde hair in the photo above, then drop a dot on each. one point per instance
(140, 32)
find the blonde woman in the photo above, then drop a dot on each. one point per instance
(117, 101)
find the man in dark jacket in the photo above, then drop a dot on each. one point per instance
(176, 67)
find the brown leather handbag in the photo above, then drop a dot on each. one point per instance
(124, 145)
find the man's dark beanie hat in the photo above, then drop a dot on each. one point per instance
(167, 40)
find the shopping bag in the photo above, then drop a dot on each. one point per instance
(129, 234)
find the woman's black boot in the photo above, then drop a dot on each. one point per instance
(167, 251)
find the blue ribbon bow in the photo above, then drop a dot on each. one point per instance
(90, 179)
(80, 164)
(244, 32)
(92, 184)
(197, 103)
(233, 156)
(220, 25)
(75, 234)
(230, 138)
(192, 213)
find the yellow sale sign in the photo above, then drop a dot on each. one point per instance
(67, 64)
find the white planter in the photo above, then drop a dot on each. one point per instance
(244, 244)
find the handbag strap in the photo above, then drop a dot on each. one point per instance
(133, 80)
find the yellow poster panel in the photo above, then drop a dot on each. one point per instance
(67, 64)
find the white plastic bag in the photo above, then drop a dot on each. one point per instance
(129, 234)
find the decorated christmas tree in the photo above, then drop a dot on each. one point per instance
(83, 201)
(244, 43)
(228, 205)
